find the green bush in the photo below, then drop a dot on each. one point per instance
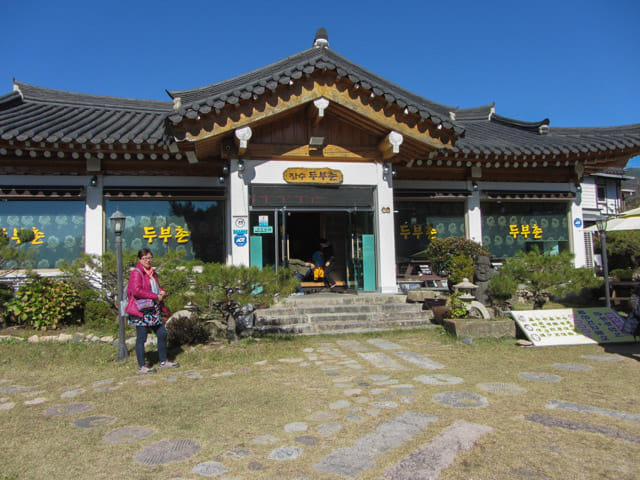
(461, 267)
(45, 303)
(543, 274)
(622, 274)
(441, 251)
(457, 306)
(187, 330)
(502, 289)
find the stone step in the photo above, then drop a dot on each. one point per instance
(343, 316)
(340, 299)
(340, 327)
(306, 310)
(336, 313)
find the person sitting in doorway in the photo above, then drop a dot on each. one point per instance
(302, 271)
(325, 259)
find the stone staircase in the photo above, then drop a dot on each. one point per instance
(331, 313)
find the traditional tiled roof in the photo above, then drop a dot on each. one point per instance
(293, 68)
(46, 116)
(490, 134)
(39, 114)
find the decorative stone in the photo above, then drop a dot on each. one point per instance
(385, 405)
(167, 451)
(604, 358)
(461, 400)
(36, 401)
(7, 406)
(209, 469)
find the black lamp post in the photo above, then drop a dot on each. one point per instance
(117, 225)
(601, 224)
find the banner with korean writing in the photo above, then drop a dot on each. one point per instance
(578, 326)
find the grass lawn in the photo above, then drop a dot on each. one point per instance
(224, 397)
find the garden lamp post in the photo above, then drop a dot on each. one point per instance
(117, 225)
(601, 224)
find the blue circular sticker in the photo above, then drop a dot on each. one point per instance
(240, 240)
(577, 222)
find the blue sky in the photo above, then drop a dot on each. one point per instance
(574, 62)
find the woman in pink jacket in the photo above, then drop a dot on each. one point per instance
(143, 283)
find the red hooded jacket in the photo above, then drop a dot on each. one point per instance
(139, 286)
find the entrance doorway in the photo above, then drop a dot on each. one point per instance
(297, 234)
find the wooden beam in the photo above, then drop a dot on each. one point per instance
(390, 145)
(306, 152)
(212, 125)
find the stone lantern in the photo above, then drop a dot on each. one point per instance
(466, 288)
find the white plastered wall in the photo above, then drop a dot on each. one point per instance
(354, 174)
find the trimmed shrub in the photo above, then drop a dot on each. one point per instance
(44, 303)
(187, 330)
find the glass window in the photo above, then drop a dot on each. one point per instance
(508, 228)
(417, 222)
(195, 227)
(58, 226)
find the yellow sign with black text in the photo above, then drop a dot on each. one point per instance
(313, 176)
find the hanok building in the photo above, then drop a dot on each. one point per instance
(255, 169)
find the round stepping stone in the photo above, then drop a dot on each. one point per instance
(307, 440)
(215, 375)
(264, 440)
(209, 469)
(109, 388)
(167, 451)
(501, 388)
(604, 358)
(352, 392)
(128, 434)
(72, 393)
(354, 417)
(572, 367)
(362, 400)
(93, 422)
(541, 377)
(100, 383)
(255, 466)
(194, 375)
(291, 360)
(439, 379)
(322, 416)
(461, 399)
(69, 409)
(7, 406)
(378, 391)
(328, 429)
(36, 401)
(385, 405)
(339, 405)
(239, 453)
(285, 453)
(16, 389)
(296, 427)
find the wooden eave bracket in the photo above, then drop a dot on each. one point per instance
(390, 145)
(242, 136)
(316, 110)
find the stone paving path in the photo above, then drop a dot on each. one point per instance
(362, 373)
